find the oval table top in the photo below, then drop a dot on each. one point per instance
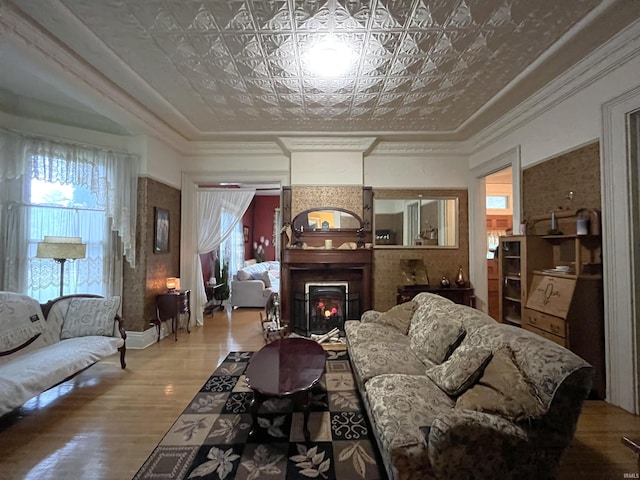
(286, 366)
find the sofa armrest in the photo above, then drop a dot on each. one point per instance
(247, 285)
(471, 444)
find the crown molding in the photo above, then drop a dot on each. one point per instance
(614, 53)
(418, 148)
(50, 53)
(198, 148)
(326, 144)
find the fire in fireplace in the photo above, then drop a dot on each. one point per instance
(327, 306)
(323, 306)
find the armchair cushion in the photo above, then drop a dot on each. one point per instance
(461, 370)
(264, 276)
(502, 390)
(90, 316)
(399, 316)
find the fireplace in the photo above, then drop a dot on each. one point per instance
(324, 306)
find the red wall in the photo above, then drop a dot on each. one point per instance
(259, 219)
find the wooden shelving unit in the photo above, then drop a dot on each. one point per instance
(518, 257)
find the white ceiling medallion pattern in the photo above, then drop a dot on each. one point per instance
(242, 65)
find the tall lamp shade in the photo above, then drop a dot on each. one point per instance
(61, 249)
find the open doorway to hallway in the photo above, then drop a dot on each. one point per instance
(499, 198)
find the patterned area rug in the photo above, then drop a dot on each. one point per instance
(210, 439)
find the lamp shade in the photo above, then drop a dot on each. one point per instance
(171, 283)
(61, 247)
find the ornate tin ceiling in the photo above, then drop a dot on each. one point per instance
(239, 65)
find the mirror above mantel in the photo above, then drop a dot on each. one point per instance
(416, 221)
(327, 219)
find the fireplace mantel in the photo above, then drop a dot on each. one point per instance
(319, 264)
(300, 266)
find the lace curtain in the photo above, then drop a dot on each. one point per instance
(218, 212)
(108, 227)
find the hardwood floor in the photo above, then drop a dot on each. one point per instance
(106, 421)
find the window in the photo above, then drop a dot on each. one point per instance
(66, 211)
(54, 188)
(497, 202)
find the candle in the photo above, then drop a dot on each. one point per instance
(554, 226)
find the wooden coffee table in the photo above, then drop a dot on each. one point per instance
(285, 367)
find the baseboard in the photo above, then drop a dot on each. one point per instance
(140, 340)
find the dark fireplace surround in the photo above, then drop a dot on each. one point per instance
(338, 279)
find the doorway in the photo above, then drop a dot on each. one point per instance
(499, 208)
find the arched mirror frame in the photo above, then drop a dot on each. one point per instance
(316, 238)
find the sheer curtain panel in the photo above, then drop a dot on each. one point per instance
(219, 210)
(103, 213)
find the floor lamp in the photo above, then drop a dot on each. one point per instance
(61, 249)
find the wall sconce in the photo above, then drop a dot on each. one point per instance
(61, 249)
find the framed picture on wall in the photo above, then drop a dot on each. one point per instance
(161, 231)
(245, 232)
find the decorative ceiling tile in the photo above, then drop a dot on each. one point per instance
(242, 65)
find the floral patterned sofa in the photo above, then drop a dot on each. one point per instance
(452, 394)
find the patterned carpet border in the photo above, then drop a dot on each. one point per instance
(210, 438)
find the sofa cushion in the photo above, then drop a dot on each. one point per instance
(21, 320)
(90, 316)
(29, 374)
(371, 359)
(264, 276)
(438, 339)
(502, 389)
(398, 316)
(401, 405)
(359, 333)
(461, 370)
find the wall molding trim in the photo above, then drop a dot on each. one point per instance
(418, 148)
(141, 340)
(326, 144)
(619, 50)
(619, 224)
(43, 49)
(478, 214)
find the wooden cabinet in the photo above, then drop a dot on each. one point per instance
(568, 309)
(552, 285)
(463, 296)
(518, 257)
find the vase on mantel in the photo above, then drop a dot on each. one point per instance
(460, 280)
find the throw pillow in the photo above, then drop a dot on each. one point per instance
(90, 316)
(21, 320)
(243, 275)
(264, 276)
(461, 370)
(398, 316)
(438, 340)
(502, 390)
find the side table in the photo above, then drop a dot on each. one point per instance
(464, 296)
(171, 305)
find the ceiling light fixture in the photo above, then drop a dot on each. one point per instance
(329, 57)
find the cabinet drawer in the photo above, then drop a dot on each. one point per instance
(547, 323)
(549, 336)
